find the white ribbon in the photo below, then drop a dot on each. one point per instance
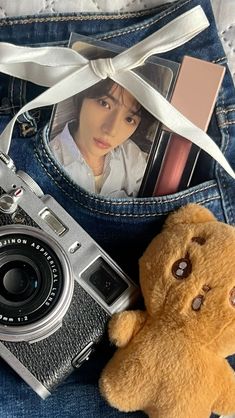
(66, 73)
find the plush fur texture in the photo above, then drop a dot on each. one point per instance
(171, 358)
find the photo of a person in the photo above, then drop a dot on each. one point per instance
(98, 149)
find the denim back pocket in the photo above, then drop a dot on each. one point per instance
(123, 227)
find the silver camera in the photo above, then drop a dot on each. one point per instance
(58, 288)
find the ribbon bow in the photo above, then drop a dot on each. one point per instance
(103, 67)
(66, 73)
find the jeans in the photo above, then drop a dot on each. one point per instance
(123, 227)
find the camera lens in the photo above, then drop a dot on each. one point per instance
(18, 280)
(31, 279)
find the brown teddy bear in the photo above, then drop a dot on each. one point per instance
(171, 358)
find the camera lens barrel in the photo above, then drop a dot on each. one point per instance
(36, 284)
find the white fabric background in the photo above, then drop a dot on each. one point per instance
(224, 11)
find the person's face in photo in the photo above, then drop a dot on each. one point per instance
(107, 121)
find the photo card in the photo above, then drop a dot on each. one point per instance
(103, 136)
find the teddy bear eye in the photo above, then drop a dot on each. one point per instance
(181, 268)
(232, 297)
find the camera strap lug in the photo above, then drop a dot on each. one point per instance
(84, 355)
(7, 160)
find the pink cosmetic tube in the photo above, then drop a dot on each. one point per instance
(195, 94)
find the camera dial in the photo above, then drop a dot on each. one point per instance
(34, 187)
(9, 202)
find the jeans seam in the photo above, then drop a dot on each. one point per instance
(147, 25)
(223, 113)
(221, 180)
(80, 17)
(110, 213)
(226, 124)
(21, 93)
(223, 59)
(226, 110)
(3, 110)
(12, 95)
(123, 202)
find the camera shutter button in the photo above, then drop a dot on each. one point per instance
(9, 202)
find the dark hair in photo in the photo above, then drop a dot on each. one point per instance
(102, 89)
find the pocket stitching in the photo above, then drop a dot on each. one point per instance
(135, 202)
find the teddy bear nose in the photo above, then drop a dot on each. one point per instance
(206, 288)
(182, 268)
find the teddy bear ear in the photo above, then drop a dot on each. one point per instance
(190, 214)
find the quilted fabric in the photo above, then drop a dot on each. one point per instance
(224, 13)
(225, 16)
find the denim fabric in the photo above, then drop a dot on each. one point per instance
(123, 227)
